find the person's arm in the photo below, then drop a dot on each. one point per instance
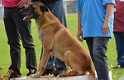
(109, 10)
(79, 33)
(22, 3)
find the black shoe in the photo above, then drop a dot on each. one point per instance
(31, 72)
(48, 71)
(59, 70)
(118, 66)
(12, 76)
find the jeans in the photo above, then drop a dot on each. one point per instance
(119, 39)
(98, 48)
(16, 29)
(57, 8)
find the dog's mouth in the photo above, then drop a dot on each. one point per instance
(28, 17)
(28, 13)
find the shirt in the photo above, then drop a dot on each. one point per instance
(10, 3)
(92, 17)
(119, 16)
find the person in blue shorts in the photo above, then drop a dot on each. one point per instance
(95, 25)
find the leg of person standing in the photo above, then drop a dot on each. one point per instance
(98, 54)
(119, 39)
(13, 41)
(24, 29)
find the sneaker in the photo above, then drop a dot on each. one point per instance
(118, 66)
(59, 70)
(13, 76)
(48, 71)
(31, 72)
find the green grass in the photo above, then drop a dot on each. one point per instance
(72, 26)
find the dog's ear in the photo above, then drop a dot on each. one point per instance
(44, 9)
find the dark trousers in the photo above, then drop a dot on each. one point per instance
(119, 39)
(98, 48)
(16, 29)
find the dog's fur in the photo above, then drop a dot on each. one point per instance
(58, 41)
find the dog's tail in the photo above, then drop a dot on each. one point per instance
(92, 74)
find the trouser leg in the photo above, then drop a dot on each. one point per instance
(119, 39)
(24, 28)
(99, 49)
(13, 41)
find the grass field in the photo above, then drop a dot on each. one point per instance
(72, 26)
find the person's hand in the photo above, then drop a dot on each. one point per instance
(79, 34)
(106, 27)
(22, 3)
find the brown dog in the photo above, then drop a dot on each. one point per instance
(58, 41)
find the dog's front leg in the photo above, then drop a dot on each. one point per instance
(43, 62)
(42, 65)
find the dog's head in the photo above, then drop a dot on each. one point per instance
(34, 10)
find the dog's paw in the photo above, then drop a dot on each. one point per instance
(35, 75)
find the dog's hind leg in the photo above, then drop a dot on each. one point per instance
(74, 60)
(79, 63)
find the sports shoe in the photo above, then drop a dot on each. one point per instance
(118, 66)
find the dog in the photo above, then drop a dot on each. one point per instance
(58, 41)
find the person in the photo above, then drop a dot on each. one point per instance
(119, 33)
(95, 25)
(16, 28)
(54, 65)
